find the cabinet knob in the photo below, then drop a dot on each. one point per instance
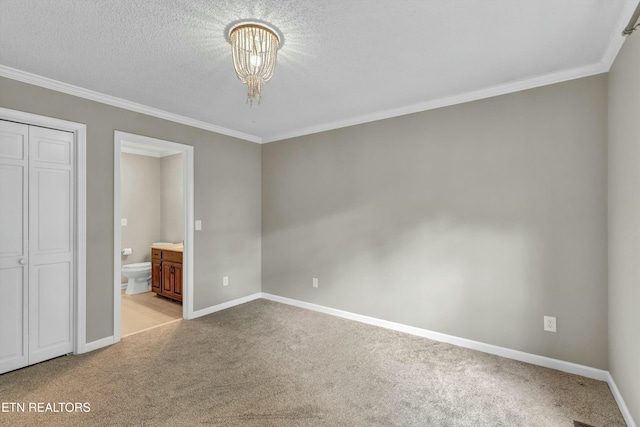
(22, 261)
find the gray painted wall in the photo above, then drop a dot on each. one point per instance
(171, 199)
(227, 198)
(140, 197)
(474, 220)
(152, 201)
(624, 223)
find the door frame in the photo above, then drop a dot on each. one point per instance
(188, 215)
(79, 287)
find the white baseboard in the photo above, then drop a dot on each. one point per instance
(225, 305)
(94, 345)
(620, 401)
(534, 359)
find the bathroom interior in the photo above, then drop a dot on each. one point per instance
(152, 230)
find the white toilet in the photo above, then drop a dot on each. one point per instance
(138, 275)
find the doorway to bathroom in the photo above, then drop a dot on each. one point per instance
(153, 218)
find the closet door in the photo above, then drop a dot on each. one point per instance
(13, 246)
(36, 244)
(51, 243)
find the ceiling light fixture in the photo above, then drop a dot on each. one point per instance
(254, 47)
(632, 26)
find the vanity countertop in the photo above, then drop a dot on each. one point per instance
(176, 247)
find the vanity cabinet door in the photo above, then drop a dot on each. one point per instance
(172, 280)
(156, 276)
(167, 279)
(177, 281)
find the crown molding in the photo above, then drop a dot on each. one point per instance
(516, 86)
(503, 89)
(45, 82)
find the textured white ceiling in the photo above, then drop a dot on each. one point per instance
(342, 62)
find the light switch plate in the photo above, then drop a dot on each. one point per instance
(198, 225)
(123, 222)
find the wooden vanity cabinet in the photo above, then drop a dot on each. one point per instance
(166, 273)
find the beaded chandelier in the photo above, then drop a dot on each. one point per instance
(254, 48)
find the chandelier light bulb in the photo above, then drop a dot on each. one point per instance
(255, 61)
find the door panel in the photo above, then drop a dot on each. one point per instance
(156, 276)
(13, 140)
(13, 322)
(50, 149)
(12, 210)
(167, 281)
(51, 230)
(51, 249)
(50, 291)
(13, 246)
(177, 282)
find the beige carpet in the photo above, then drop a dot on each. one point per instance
(269, 364)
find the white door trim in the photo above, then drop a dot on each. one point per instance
(80, 133)
(187, 271)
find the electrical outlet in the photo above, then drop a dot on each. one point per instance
(315, 282)
(549, 323)
(225, 281)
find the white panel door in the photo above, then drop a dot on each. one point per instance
(13, 246)
(51, 248)
(36, 244)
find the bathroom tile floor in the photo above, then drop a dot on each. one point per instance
(146, 311)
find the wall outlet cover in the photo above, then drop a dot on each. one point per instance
(549, 323)
(225, 281)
